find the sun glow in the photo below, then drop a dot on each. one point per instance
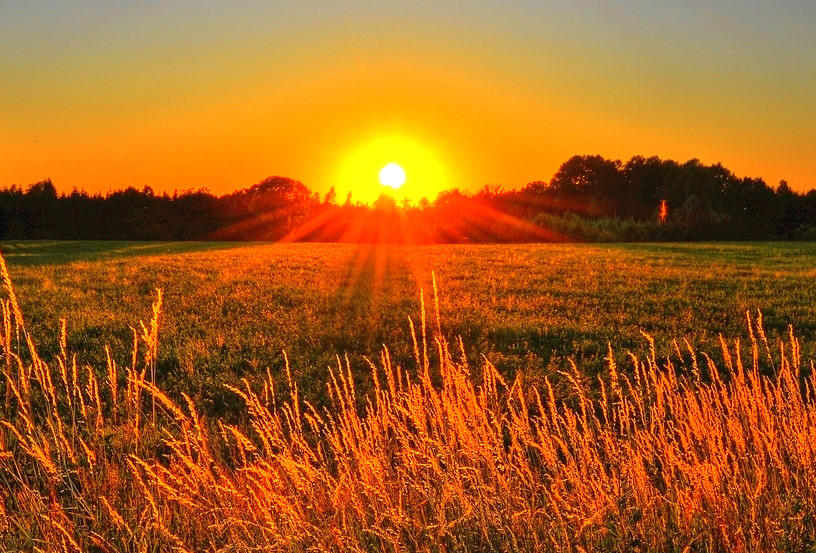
(393, 164)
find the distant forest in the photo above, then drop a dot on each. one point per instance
(589, 199)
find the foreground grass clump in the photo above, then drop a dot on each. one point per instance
(670, 458)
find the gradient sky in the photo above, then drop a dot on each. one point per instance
(179, 95)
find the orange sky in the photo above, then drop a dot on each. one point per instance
(179, 95)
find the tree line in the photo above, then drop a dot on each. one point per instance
(589, 198)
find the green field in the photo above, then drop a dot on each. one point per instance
(230, 310)
(438, 454)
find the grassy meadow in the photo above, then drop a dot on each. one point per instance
(230, 310)
(554, 424)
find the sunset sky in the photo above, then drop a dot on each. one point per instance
(218, 95)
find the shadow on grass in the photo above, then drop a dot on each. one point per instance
(55, 252)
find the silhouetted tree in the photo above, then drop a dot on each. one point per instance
(647, 179)
(589, 198)
(330, 197)
(591, 185)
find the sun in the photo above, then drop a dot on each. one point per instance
(419, 174)
(392, 175)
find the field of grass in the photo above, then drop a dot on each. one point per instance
(230, 310)
(667, 449)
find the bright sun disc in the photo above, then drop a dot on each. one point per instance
(419, 173)
(392, 175)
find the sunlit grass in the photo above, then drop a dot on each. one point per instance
(712, 454)
(232, 309)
